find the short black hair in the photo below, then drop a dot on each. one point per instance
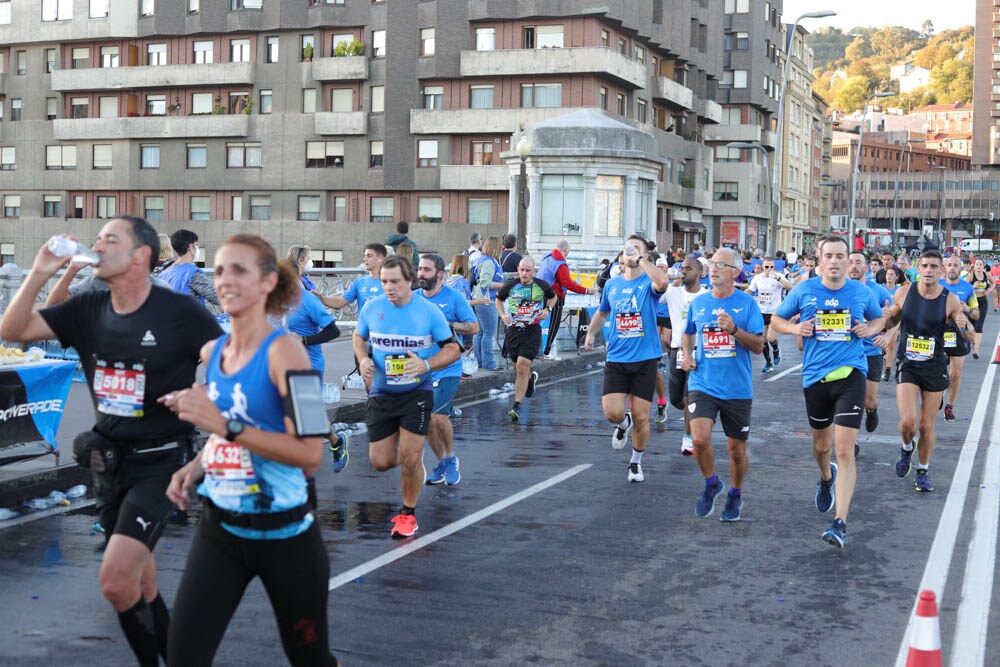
(402, 227)
(143, 234)
(509, 241)
(181, 240)
(377, 248)
(436, 258)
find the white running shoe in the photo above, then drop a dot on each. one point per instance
(620, 437)
(687, 447)
(635, 472)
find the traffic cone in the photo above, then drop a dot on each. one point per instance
(925, 636)
(996, 357)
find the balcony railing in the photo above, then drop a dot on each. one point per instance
(341, 122)
(670, 92)
(152, 127)
(477, 121)
(341, 68)
(555, 62)
(475, 177)
(162, 76)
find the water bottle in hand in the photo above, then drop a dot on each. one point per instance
(63, 246)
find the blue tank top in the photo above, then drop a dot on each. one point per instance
(235, 478)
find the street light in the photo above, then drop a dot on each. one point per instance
(895, 193)
(757, 146)
(522, 149)
(857, 159)
(772, 240)
(940, 169)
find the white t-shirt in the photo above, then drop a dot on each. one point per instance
(790, 258)
(678, 301)
(769, 292)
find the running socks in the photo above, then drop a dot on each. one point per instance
(161, 623)
(517, 405)
(712, 481)
(636, 456)
(407, 510)
(139, 626)
(734, 491)
(908, 448)
(661, 401)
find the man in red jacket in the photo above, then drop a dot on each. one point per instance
(553, 270)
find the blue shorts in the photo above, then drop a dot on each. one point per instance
(444, 395)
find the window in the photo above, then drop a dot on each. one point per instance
(622, 46)
(60, 157)
(246, 4)
(51, 108)
(309, 100)
(194, 6)
(726, 192)
(307, 41)
(51, 206)
(81, 57)
(742, 41)
(260, 207)
(150, 156)
(621, 102)
(429, 209)
(427, 153)
(480, 211)
(156, 54)
(8, 158)
(11, 206)
(728, 40)
(5, 12)
(265, 101)
(541, 95)
(378, 43)
(608, 198)
(238, 101)
(50, 59)
(342, 100)
(562, 202)
(102, 156)
(549, 37)
(737, 7)
(602, 98)
(433, 97)
(107, 206)
(203, 52)
(16, 104)
(320, 154)
(79, 107)
(375, 150)
(109, 56)
(21, 63)
(201, 208)
(739, 78)
(197, 156)
(482, 152)
(644, 206)
(243, 156)
(271, 56)
(153, 208)
(57, 10)
(640, 111)
(201, 103)
(481, 97)
(640, 54)
(378, 99)
(486, 39)
(726, 154)
(427, 42)
(156, 105)
(381, 209)
(340, 209)
(239, 50)
(308, 207)
(148, 8)
(236, 201)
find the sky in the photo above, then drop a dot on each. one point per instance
(945, 14)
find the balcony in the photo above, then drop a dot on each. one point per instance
(474, 121)
(674, 94)
(709, 111)
(152, 127)
(733, 133)
(118, 78)
(555, 62)
(474, 177)
(343, 68)
(341, 122)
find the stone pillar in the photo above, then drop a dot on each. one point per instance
(628, 206)
(587, 224)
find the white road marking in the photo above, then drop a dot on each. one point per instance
(450, 529)
(783, 373)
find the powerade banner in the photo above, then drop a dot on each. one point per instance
(32, 398)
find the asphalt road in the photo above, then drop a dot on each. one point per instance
(544, 554)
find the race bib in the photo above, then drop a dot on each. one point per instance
(716, 343)
(763, 298)
(229, 468)
(680, 358)
(525, 313)
(919, 348)
(120, 391)
(833, 325)
(628, 325)
(395, 369)
(950, 339)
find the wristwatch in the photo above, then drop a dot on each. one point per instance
(234, 428)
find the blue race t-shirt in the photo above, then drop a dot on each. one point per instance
(394, 332)
(964, 290)
(309, 318)
(884, 299)
(363, 290)
(455, 308)
(835, 312)
(724, 367)
(632, 308)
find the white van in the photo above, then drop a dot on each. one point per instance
(977, 245)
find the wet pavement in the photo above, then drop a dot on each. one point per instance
(544, 554)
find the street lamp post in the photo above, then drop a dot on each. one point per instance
(940, 169)
(895, 191)
(772, 239)
(757, 146)
(523, 198)
(857, 160)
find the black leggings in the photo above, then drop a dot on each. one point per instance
(984, 304)
(294, 571)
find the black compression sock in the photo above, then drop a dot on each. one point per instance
(161, 622)
(407, 510)
(139, 627)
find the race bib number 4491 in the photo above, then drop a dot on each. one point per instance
(120, 391)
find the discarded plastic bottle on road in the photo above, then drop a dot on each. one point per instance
(38, 503)
(457, 412)
(508, 387)
(504, 394)
(359, 427)
(331, 393)
(8, 514)
(339, 426)
(58, 498)
(494, 393)
(78, 491)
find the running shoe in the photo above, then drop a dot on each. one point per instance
(341, 455)
(403, 526)
(777, 356)
(923, 482)
(871, 420)
(514, 414)
(825, 491)
(452, 476)
(767, 368)
(885, 375)
(904, 462)
(949, 413)
(687, 446)
(836, 534)
(975, 354)
(620, 437)
(635, 472)
(733, 506)
(706, 501)
(437, 475)
(661, 413)
(532, 379)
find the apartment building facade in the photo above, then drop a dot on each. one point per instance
(986, 85)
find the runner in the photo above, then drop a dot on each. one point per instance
(835, 315)
(663, 331)
(633, 349)
(403, 332)
(956, 343)
(980, 280)
(769, 286)
(874, 346)
(995, 276)
(723, 328)
(522, 303)
(894, 278)
(461, 319)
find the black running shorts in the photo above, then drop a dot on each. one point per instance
(841, 402)
(385, 414)
(676, 381)
(523, 342)
(663, 322)
(929, 378)
(637, 378)
(876, 364)
(734, 412)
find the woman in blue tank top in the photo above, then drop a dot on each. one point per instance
(256, 521)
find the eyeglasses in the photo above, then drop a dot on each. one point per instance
(723, 265)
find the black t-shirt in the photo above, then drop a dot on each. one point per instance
(132, 360)
(509, 259)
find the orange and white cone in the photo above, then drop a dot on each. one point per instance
(925, 637)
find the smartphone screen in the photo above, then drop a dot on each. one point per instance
(308, 412)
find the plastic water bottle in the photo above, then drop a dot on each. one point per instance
(58, 498)
(38, 503)
(78, 491)
(457, 412)
(504, 394)
(509, 386)
(339, 426)
(331, 393)
(63, 246)
(494, 393)
(359, 427)
(8, 514)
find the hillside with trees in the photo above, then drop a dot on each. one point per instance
(850, 66)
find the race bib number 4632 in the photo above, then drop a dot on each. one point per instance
(229, 468)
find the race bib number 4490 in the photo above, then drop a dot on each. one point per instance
(120, 391)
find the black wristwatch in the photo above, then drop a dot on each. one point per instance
(234, 428)
(735, 330)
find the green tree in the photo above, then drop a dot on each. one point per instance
(859, 49)
(951, 81)
(891, 42)
(853, 93)
(927, 28)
